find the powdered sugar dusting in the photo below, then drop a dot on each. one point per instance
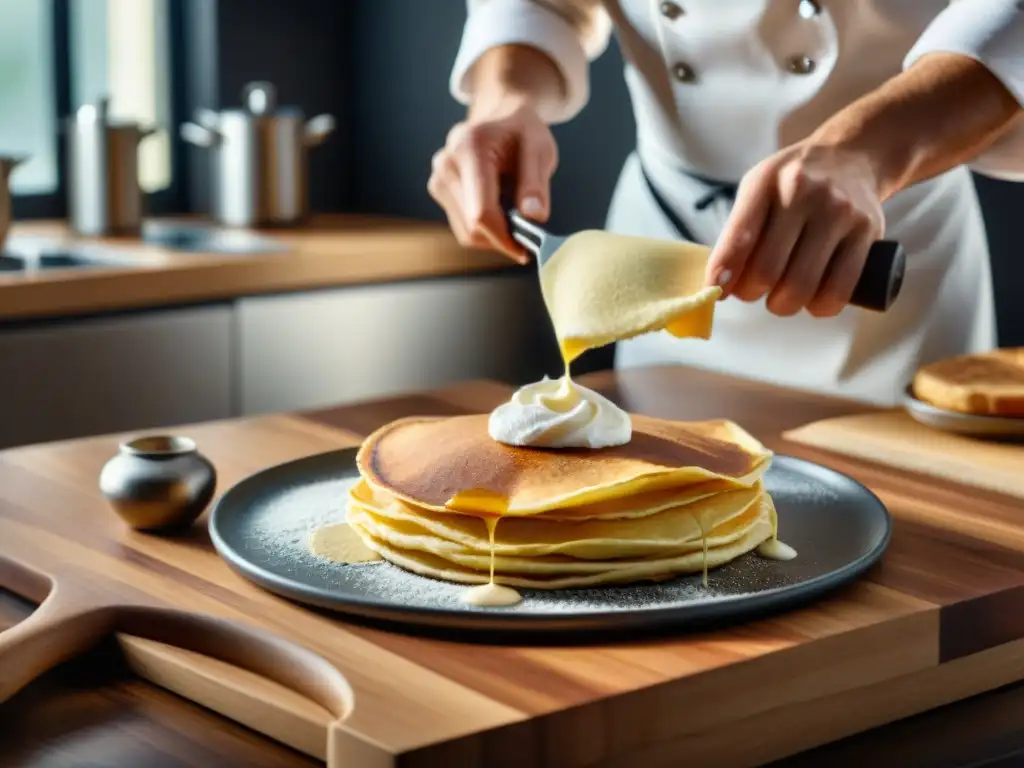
(272, 531)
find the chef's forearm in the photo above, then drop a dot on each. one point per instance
(510, 76)
(941, 112)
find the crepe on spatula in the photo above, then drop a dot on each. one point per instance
(601, 287)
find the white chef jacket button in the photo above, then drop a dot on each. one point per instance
(801, 65)
(683, 72)
(809, 9)
(671, 11)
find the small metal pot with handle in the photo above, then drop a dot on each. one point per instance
(7, 164)
(104, 194)
(260, 172)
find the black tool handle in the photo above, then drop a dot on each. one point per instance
(882, 278)
(507, 199)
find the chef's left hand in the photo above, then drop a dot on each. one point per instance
(800, 231)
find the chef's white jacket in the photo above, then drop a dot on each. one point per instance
(717, 86)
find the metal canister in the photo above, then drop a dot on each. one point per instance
(259, 162)
(103, 192)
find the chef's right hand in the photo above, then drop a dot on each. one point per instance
(509, 139)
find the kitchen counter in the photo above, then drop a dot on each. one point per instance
(154, 335)
(330, 250)
(888, 647)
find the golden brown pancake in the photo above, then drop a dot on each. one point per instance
(439, 497)
(446, 464)
(411, 545)
(676, 529)
(989, 383)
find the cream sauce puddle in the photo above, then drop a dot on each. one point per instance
(491, 594)
(339, 542)
(773, 549)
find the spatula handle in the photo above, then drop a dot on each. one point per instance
(507, 199)
(882, 277)
(528, 235)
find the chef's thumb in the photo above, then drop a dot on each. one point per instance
(533, 189)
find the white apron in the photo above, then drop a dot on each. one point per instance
(717, 86)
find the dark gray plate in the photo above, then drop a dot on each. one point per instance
(999, 427)
(261, 527)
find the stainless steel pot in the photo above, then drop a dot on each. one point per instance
(260, 165)
(158, 481)
(7, 164)
(104, 195)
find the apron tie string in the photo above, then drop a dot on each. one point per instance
(716, 190)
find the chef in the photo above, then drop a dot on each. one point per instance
(789, 134)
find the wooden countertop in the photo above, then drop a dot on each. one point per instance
(937, 621)
(329, 250)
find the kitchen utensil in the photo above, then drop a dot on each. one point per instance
(877, 289)
(104, 195)
(260, 163)
(7, 164)
(78, 607)
(261, 527)
(1004, 427)
(158, 482)
(894, 438)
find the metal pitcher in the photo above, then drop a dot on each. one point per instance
(104, 195)
(7, 164)
(259, 164)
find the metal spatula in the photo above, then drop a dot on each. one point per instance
(877, 289)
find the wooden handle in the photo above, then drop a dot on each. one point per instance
(67, 623)
(235, 695)
(882, 277)
(77, 609)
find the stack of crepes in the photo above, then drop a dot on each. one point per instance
(440, 498)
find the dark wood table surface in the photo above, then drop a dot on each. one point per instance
(92, 712)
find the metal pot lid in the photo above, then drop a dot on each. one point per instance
(259, 100)
(98, 113)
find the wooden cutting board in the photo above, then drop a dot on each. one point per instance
(893, 438)
(940, 619)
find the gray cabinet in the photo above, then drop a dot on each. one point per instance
(320, 348)
(128, 372)
(157, 368)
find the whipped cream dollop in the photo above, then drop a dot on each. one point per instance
(559, 413)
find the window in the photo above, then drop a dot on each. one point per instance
(28, 119)
(113, 48)
(119, 50)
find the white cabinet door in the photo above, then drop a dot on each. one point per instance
(321, 348)
(128, 372)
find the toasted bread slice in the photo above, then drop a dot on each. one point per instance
(984, 384)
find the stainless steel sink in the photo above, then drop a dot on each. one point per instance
(202, 238)
(27, 257)
(27, 254)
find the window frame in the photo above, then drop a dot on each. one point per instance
(173, 199)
